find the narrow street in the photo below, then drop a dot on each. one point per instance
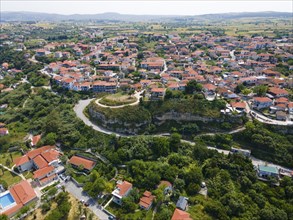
(79, 194)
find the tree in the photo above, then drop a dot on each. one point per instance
(175, 141)
(4, 217)
(50, 139)
(260, 90)
(192, 86)
(128, 204)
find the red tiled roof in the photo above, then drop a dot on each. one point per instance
(36, 139)
(48, 178)
(158, 89)
(277, 91)
(12, 210)
(40, 161)
(43, 171)
(180, 215)
(33, 153)
(262, 99)
(209, 86)
(124, 187)
(146, 200)
(23, 192)
(238, 104)
(21, 160)
(77, 161)
(50, 155)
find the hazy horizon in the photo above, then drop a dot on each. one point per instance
(145, 7)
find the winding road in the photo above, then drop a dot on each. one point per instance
(82, 104)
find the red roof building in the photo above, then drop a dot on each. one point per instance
(180, 215)
(86, 163)
(35, 140)
(122, 190)
(22, 194)
(146, 200)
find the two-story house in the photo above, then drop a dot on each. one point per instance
(121, 191)
(262, 102)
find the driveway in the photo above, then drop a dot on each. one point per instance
(79, 194)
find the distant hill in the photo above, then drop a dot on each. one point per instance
(36, 16)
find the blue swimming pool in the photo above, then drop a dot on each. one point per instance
(6, 200)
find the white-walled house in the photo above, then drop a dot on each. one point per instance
(122, 190)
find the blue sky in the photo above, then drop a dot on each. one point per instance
(153, 7)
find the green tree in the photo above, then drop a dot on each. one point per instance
(193, 86)
(260, 90)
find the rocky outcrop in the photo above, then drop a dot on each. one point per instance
(172, 115)
(117, 125)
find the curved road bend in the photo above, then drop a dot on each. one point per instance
(82, 104)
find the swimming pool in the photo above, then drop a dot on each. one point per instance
(6, 200)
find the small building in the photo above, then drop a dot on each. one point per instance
(182, 203)
(238, 106)
(168, 188)
(158, 93)
(281, 115)
(122, 190)
(35, 139)
(262, 102)
(146, 200)
(265, 171)
(180, 215)
(87, 164)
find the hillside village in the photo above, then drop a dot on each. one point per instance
(116, 175)
(225, 66)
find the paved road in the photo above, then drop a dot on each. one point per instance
(78, 193)
(78, 108)
(81, 105)
(266, 120)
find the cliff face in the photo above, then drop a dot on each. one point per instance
(117, 125)
(158, 120)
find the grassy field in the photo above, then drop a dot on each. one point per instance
(8, 177)
(117, 99)
(5, 157)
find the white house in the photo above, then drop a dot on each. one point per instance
(262, 102)
(122, 190)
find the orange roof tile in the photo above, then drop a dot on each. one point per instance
(77, 161)
(180, 215)
(43, 171)
(21, 160)
(40, 161)
(124, 187)
(48, 178)
(23, 191)
(33, 153)
(51, 155)
(262, 99)
(36, 139)
(238, 104)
